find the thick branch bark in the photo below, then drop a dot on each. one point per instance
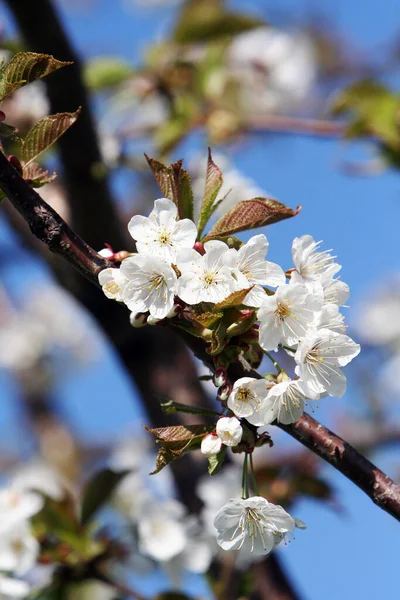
(85, 175)
(326, 444)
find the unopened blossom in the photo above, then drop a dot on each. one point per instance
(254, 526)
(161, 530)
(311, 264)
(205, 278)
(210, 445)
(285, 402)
(247, 398)
(18, 549)
(286, 316)
(161, 233)
(229, 430)
(151, 285)
(319, 358)
(253, 270)
(113, 283)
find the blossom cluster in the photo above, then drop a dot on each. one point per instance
(171, 274)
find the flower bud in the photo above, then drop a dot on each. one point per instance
(14, 160)
(175, 310)
(210, 444)
(152, 320)
(199, 247)
(138, 320)
(220, 377)
(106, 252)
(224, 392)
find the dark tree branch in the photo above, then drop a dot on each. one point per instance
(50, 228)
(85, 175)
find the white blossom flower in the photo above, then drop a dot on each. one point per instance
(161, 233)
(276, 69)
(205, 278)
(151, 285)
(310, 263)
(113, 283)
(287, 315)
(319, 358)
(335, 291)
(285, 402)
(247, 398)
(13, 588)
(254, 526)
(18, 549)
(229, 430)
(330, 318)
(249, 261)
(16, 506)
(38, 476)
(161, 529)
(210, 445)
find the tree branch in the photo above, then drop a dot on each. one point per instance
(85, 175)
(46, 224)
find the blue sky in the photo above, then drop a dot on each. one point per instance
(352, 554)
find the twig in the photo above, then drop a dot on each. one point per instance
(50, 228)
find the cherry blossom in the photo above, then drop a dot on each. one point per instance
(286, 316)
(210, 445)
(254, 526)
(247, 398)
(311, 263)
(229, 430)
(113, 283)
(161, 233)
(151, 285)
(319, 358)
(205, 278)
(253, 270)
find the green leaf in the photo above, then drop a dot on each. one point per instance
(373, 110)
(205, 20)
(25, 67)
(175, 184)
(104, 72)
(249, 214)
(169, 407)
(207, 319)
(98, 491)
(218, 339)
(45, 133)
(176, 441)
(8, 131)
(214, 181)
(234, 299)
(215, 462)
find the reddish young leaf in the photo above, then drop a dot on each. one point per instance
(45, 133)
(175, 184)
(249, 214)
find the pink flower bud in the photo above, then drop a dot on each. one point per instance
(224, 392)
(199, 247)
(220, 377)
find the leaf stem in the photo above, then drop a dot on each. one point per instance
(287, 348)
(245, 482)
(253, 476)
(272, 359)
